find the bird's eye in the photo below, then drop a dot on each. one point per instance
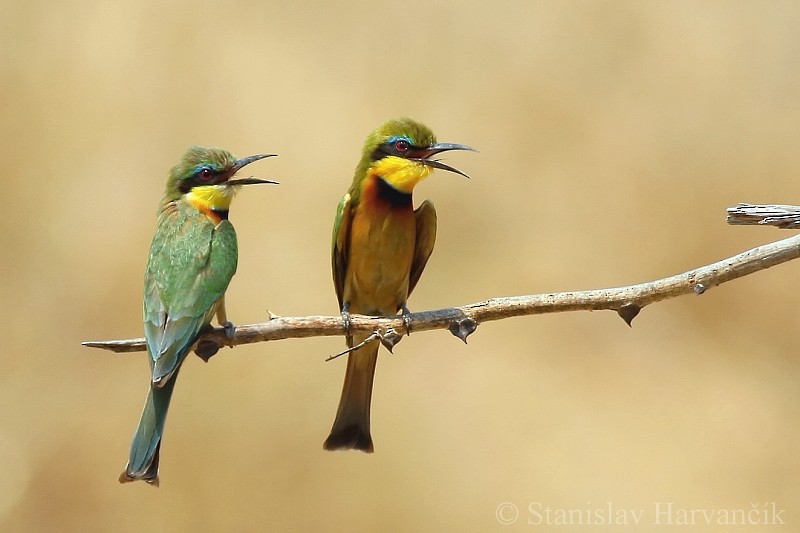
(205, 174)
(401, 145)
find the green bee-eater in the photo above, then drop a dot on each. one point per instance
(380, 247)
(193, 257)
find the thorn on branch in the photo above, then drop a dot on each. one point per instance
(206, 349)
(390, 338)
(463, 328)
(628, 312)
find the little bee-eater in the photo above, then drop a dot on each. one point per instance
(193, 257)
(380, 247)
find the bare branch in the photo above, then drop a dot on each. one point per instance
(461, 321)
(782, 216)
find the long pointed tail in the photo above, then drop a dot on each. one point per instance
(143, 461)
(351, 428)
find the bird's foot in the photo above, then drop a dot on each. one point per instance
(406, 314)
(346, 322)
(229, 328)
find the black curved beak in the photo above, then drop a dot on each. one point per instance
(423, 154)
(249, 159)
(244, 162)
(249, 181)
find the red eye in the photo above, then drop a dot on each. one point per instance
(205, 174)
(401, 145)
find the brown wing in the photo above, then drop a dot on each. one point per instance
(425, 216)
(341, 245)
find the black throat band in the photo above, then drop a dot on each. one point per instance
(221, 213)
(391, 195)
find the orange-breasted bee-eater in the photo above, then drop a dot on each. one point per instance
(193, 257)
(380, 247)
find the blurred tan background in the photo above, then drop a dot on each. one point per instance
(612, 137)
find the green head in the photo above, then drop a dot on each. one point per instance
(399, 151)
(202, 166)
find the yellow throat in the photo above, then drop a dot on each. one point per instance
(214, 197)
(402, 174)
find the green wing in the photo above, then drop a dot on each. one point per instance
(341, 245)
(191, 263)
(425, 216)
